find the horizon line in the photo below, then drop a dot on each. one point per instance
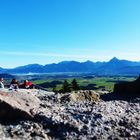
(69, 61)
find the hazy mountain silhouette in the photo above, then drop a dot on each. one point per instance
(112, 67)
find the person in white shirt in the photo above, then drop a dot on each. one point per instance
(1, 83)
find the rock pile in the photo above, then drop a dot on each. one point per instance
(55, 119)
(81, 96)
(85, 120)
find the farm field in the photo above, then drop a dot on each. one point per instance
(85, 82)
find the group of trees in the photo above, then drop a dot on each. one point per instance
(68, 87)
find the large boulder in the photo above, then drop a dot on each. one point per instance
(20, 104)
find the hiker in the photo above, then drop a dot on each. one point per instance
(14, 84)
(27, 84)
(1, 83)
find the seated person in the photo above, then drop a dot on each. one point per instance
(1, 83)
(27, 84)
(14, 84)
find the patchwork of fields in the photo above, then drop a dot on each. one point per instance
(85, 82)
(54, 82)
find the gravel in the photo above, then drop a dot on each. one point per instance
(113, 120)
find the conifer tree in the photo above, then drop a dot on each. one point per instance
(75, 85)
(66, 87)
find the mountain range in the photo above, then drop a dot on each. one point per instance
(113, 67)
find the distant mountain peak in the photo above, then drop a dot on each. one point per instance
(88, 61)
(114, 59)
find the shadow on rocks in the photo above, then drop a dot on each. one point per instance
(114, 96)
(56, 129)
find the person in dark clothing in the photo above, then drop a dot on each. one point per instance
(14, 84)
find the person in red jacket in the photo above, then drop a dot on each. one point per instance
(27, 84)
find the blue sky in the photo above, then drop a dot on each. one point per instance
(46, 31)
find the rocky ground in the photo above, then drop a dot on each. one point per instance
(63, 119)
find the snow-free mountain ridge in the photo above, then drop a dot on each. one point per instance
(113, 67)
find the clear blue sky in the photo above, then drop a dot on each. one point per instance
(46, 31)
